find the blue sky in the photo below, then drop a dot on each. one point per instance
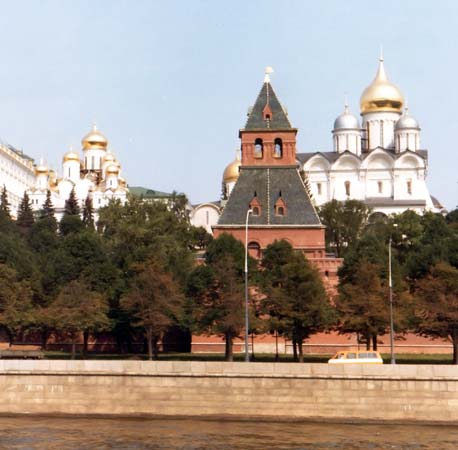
(169, 82)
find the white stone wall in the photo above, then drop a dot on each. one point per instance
(378, 175)
(205, 215)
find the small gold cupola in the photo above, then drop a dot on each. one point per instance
(94, 139)
(381, 94)
(231, 172)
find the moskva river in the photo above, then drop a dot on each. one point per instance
(30, 433)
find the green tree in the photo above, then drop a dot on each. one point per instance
(436, 309)
(25, 218)
(77, 309)
(71, 220)
(438, 242)
(345, 223)
(4, 205)
(179, 205)
(47, 210)
(296, 299)
(16, 310)
(200, 238)
(362, 304)
(217, 291)
(88, 214)
(154, 303)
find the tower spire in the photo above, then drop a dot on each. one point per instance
(268, 70)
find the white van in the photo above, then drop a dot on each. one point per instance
(356, 357)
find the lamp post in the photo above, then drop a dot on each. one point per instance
(247, 324)
(390, 285)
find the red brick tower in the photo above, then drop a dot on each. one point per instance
(271, 186)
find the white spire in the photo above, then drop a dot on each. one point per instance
(267, 72)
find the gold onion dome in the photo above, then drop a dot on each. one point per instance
(381, 94)
(41, 169)
(71, 156)
(112, 169)
(94, 139)
(109, 157)
(231, 172)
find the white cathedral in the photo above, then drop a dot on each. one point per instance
(378, 161)
(96, 174)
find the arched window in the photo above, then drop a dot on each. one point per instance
(258, 148)
(347, 188)
(278, 148)
(254, 249)
(380, 187)
(256, 211)
(281, 211)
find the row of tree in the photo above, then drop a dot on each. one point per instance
(136, 274)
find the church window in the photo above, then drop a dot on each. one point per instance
(92, 162)
(409, 187)
(381, 134)
(207, 217)
(258, 148)
(69, 173)
(280, 211)
(380, 186)
(256, 211)
(278, 148)
(347, 188)
(318, 188)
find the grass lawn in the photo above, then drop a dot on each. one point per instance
(262, 357)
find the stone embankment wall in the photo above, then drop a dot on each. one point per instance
(281, 390)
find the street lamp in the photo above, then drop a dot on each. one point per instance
(390, 284)
(247, 324)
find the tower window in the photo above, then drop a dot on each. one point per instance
(207, 217)
(69, 173)
(258, 148)
(280, 206)
(347, 188)
(92, 162)
(409, 187)
(380, 186)
(318, 188)
(278, 148)
(255, 205)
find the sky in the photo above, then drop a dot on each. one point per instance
(169, 82)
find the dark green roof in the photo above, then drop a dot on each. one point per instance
(279, 119)
(268, 183)
(147, 193)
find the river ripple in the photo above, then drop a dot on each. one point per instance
(41, 433)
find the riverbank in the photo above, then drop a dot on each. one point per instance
(403, 393)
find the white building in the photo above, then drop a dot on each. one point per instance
(16, 174)
(96, 174)
(379, 162)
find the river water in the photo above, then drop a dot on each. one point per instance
(44, 433)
